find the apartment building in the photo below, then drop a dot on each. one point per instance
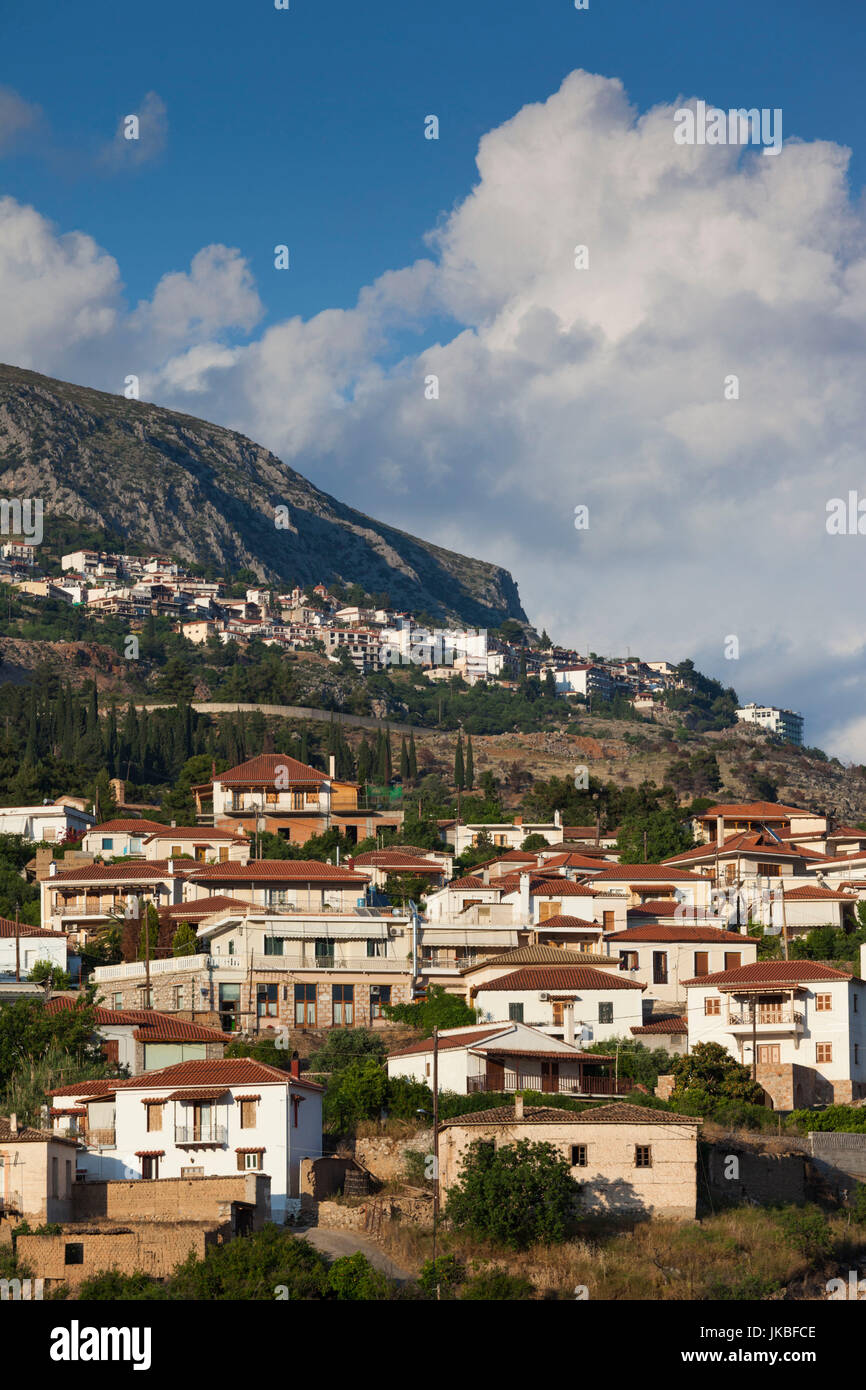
(663, 957)
(785, 723)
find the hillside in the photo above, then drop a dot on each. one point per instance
(208, 495)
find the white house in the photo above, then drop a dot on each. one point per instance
(505, 1057)
(208, 1118)
(34, 944)
(115, 838)
(144, 1039)
(50, 823)
(570, 1000)
(801, 1025)
(662, 957)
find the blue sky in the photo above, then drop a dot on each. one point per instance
(305, 126)
(454, 257)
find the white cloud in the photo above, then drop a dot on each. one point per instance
(140, 136)
(562, 386)
(18, 119)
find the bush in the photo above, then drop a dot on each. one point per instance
(807, 1230)
(497, 1286)
(346, 1045)
(358, 1092)
(447, 1271)
(438, 1010)
(749, 1289)
(352, 1277)
(516, 1194)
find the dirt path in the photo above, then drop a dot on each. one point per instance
(336, 1243)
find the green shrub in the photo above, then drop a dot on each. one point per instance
(807, 1230)
(516, 1193)
(497, 1286)
(447, 1271)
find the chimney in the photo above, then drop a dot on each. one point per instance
(518, 1105)
(296, 1066)
(518, 820)
(332, 766)
(568, 1022)
(13, 1124)
(525, 901)
(52, 868)
(720, 830)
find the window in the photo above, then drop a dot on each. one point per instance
(377, 949)
(660, 967)
(107, 842)
(266, 1001)
(628, 960)
(55, 1190)
(249, 1113)
(176, 852)
(146, 996)
(823, 1003)
(224, 854)
(608, 921)
(150, 1166)
(177, 997)
(605, 1012)
(343, 1005)
(73, 1253)
(380, 995)
(324, 951)
(643, 1156)
(702, 962)
(730, 873)
(515, 1013)
(733, 960)
(769, 1054)
(557, 1013)
(578, 1155)
(69, 1173)
(231, 948)
(274, 945)
(823, 1052)
(250, 1159)
(712, 1006)
(768, 870)
(117, 1000)
(154, 1117)
(305, 1006)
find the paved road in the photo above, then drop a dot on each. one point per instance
(336, 1243)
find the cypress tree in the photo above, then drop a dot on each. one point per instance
(459, 769)
(413, 760)
(404, 761)
(470, 764)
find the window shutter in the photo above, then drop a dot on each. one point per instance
(241, 1162)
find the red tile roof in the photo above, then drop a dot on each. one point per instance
(644, 873)
(267, 768)
(560, 919)
(814, 893)
(151, 1026)
(197, 908)
(126, 827)
(135, 870)
(677, 1023)
(581, 977)
(470, 881)
(448, 1042)
(9, 928)
(650, 932)
(755, 810)
(196, 832)
(281, 870)
(218, 1071)
(619, 1113)
(772, 972)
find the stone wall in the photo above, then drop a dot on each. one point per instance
(733, 1173)
(384, 1155)
(172, 1199)
(839, 1158)
(370, 1215)
(155, 1249)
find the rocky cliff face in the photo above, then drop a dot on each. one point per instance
(206, 494)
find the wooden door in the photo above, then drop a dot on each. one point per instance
(550, 1076)
(495, 1074)
(769, 1054)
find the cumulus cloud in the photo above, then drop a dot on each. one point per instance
(18, 119)
(561, 386)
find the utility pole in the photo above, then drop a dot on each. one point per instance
(784, 920)
(147, 1003)
(435, 1151)
(17, 948)
(754, 1007)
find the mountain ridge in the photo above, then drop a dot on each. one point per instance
(208, 495)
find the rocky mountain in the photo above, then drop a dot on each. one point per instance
(202, 493)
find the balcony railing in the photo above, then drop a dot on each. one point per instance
(11, 1201)
(200, 1134)
(766, 1015)
(99, 1138)
(558, 1085)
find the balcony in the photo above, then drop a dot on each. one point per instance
(557, 1085)
(766, 1018)
(10, 1202)
(200, 1136)
(98, 1138)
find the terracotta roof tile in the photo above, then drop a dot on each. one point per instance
(265, 769)
(772, 972)
(677, 1023)
(582, 977)
(649, 932)
(619, 1113)
(283, 870)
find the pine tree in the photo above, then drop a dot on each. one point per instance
(459, 769)
(470, 764)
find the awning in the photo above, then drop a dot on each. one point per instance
(150, 1153)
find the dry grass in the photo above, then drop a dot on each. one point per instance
(740, 1252)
